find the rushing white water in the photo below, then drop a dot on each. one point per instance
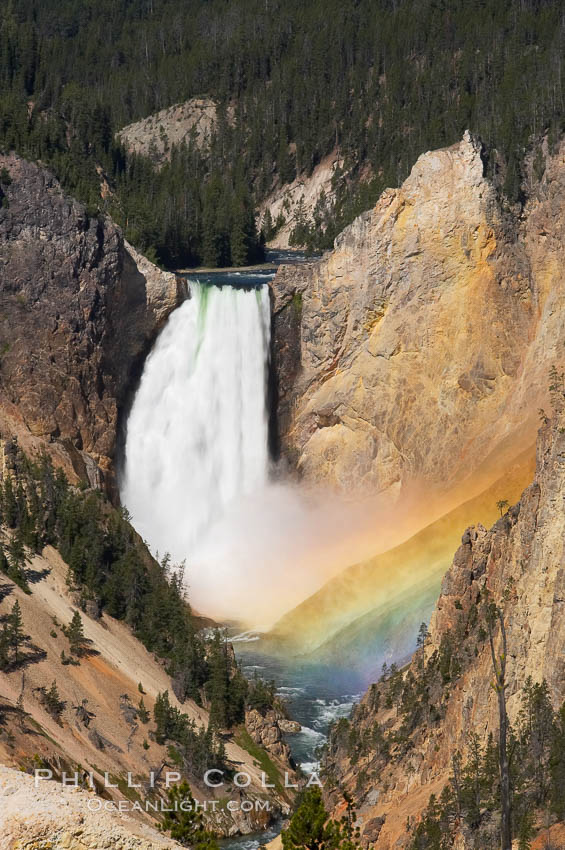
(197, 432)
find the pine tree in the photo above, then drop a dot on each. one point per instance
(184, 822)
(53, 702)
(311, 829)
(16, 561)
(217, 686)
(142, 712)
(421, 644)
(471, 784)
(268, 228)
(75, 635)
(238, 243)
(557, 766)
(300, 233)
(490, 779)
(526, 830)
(536, 733)
(16, 632)
(285, 164)
(9, 505)
(221, 754)
(307, 828)
(163, 714)
(261, 694)
(4, 648)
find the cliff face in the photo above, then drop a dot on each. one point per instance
(415, 354)
(79, 310)
(518, 564)
(268, 729)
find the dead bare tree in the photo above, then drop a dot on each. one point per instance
(494, 615)
(83, 713)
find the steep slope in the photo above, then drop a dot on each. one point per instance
(289, 202)
(403, 737)
(79, 310)
(101, 728)
(194, 120)
(412, 359)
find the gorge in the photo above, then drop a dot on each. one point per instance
(282, 425)
(408, 368)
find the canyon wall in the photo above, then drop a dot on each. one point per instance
(79, 309)
(518, 565)
(415, 355)
(109, 733)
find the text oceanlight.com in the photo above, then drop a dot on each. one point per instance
(161, 806)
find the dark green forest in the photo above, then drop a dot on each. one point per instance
(382, 80)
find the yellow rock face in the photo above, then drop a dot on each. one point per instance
(414, 357)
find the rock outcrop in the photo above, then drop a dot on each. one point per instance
(154, 136)
(79, 311)
(268, 729)
(415, 354)
(300, 198)
(518, 565)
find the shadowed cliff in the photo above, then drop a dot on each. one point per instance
(79, 309)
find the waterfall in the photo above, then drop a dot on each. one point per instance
(196, 467)
(197, 432)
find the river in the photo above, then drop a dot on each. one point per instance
(196, 450)
(316, 696)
